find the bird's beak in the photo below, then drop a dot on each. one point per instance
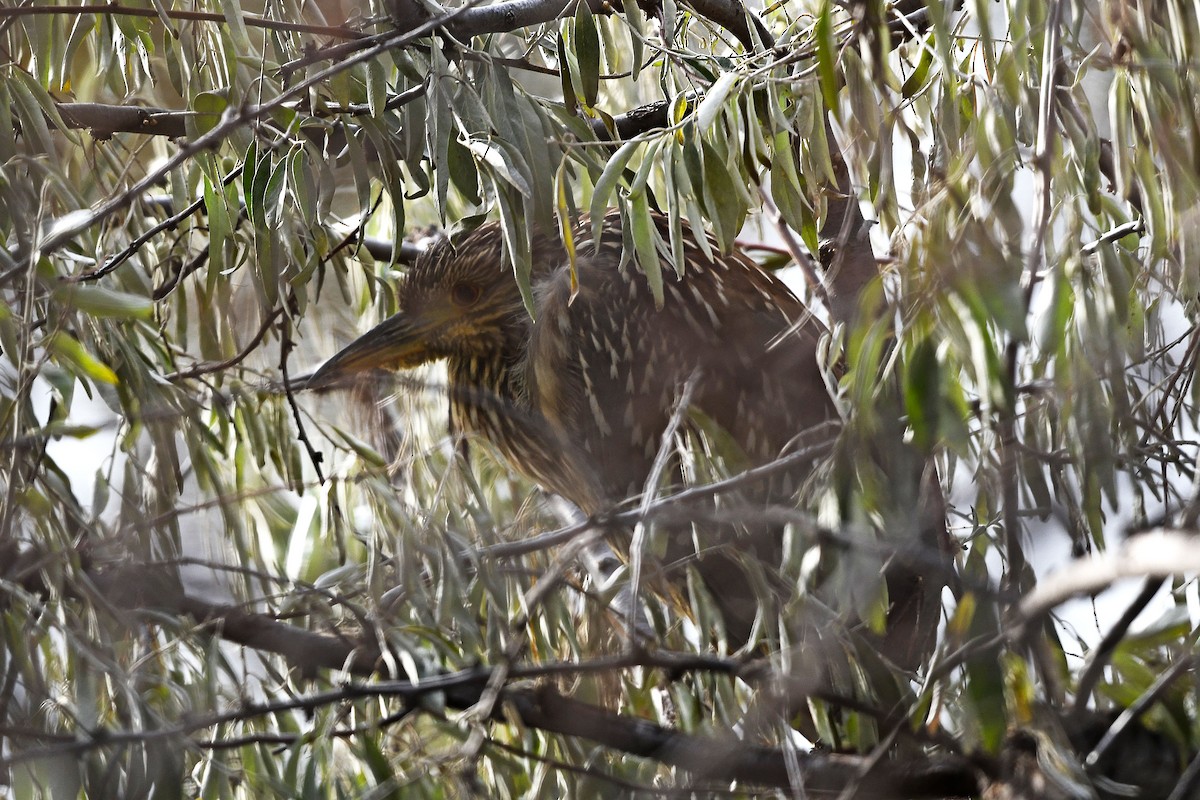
(398, 342)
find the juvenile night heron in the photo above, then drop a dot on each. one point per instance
(577, 397)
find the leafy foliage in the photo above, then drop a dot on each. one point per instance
(274, 594)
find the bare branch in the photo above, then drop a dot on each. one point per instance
(104, 120)
(1098, 657)
(733, 16)
(1157, 553)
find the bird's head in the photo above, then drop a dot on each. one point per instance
(458, 301)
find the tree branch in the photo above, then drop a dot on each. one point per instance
(733, 17)
(736, 760)
(104, 120)
(1158, 553)
(131, 588)
(218, 366)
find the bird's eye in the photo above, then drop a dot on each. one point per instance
(465, 294)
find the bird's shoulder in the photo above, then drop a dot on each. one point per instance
(703, 279)
(607, 357)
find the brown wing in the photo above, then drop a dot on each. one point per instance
(608, 365)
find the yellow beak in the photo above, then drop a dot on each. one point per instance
(399, 342)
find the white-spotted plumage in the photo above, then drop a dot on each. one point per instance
(578, 395)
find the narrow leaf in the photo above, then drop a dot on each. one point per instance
(827, 59)
(587, 53)
(564, 75)
(99, 301)
(608, 182)
(376, 87)
(714, 99)
(67, 348)
(645, 237)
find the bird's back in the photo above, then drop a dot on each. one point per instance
(608, 366)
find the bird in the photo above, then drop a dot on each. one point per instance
(576, 391)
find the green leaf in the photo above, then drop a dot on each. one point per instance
(564, 75)
(376, 86)
(916, 81)
(302, 184)
(236, 26)
(462, 170)
(984, 677)
(635, 18)
(922, 402)
(358, 165)
(649, 161)
(506, 162)
(218, 226)
(266, 266)
(441, 134)
(272, 205)
(208, 108)
(587, 54)
(827, 59)
(566, 228)
(539, 156)
(257, 201)
(68, 349)
(516, 244)
(714, 100)
(362, 449)
(379, 764)
(607, 183)
(645, 241)
(722, 198)
(105, 303)
(27, 93)
(48, 106)
(786, 186)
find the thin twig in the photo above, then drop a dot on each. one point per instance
(1135, 710)
(167, 224)
(157, 12)
(1185, 788)
(285, 350)
(1098, 658)
(649, 492)
(748, 477)
(217, 366)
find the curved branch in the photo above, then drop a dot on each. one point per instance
(218, 366)
(733, 16)
(509, 16)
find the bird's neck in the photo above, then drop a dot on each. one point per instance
(491, 380)
(490, 397)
